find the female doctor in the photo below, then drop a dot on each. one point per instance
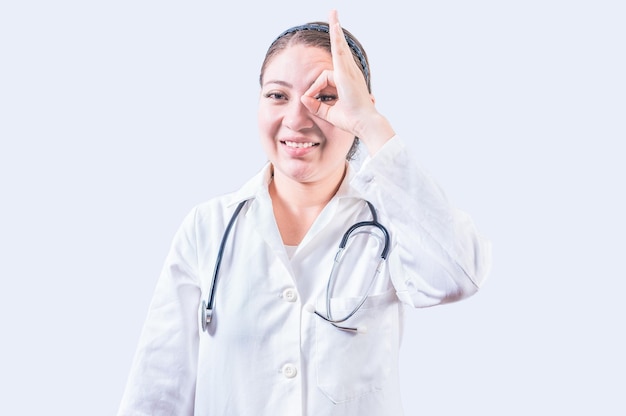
(255, 312)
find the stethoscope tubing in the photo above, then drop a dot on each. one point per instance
(207, 307)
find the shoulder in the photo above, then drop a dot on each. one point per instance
(220, 208)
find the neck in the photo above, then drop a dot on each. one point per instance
(297, 204)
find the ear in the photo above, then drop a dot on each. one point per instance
(373, 99)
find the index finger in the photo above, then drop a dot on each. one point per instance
(338, 43)
(341, 48)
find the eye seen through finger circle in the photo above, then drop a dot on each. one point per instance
(326, 98)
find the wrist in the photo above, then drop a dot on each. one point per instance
(375, 132)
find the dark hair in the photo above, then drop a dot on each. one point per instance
(317, 34)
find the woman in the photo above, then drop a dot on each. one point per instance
(263, 343)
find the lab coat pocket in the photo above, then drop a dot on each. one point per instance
(348, 364)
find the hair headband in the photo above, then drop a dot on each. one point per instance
(324, 28)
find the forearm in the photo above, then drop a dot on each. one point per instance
(438, 255)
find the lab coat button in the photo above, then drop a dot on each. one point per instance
(289, 370)
(290, 295)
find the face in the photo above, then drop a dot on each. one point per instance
(299, 145)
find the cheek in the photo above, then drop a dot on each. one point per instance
(267, 121)
(342, 140)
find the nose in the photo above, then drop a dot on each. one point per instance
(297, 117)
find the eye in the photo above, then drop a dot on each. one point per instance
(273, 95)
(326, 97)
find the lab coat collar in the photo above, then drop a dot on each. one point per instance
(255, 187)
(346, 190)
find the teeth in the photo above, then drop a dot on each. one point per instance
(299, 145)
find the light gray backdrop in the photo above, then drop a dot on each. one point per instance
(116, 117)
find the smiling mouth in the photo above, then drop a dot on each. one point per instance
(298, 145)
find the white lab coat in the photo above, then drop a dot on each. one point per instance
(264, 354)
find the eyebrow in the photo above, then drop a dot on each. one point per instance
(278, 82)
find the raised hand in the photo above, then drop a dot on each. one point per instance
(354, 110)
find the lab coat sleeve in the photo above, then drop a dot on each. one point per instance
(163, 373)
(437, 254)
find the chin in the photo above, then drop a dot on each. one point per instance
(298, 171)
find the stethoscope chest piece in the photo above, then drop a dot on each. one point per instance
(207, 314)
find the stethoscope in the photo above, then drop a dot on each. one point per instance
(208, 306)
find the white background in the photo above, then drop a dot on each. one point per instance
(116, 117)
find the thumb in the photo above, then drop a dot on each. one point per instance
(315, 106)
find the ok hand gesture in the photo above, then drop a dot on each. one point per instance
(354, 110)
